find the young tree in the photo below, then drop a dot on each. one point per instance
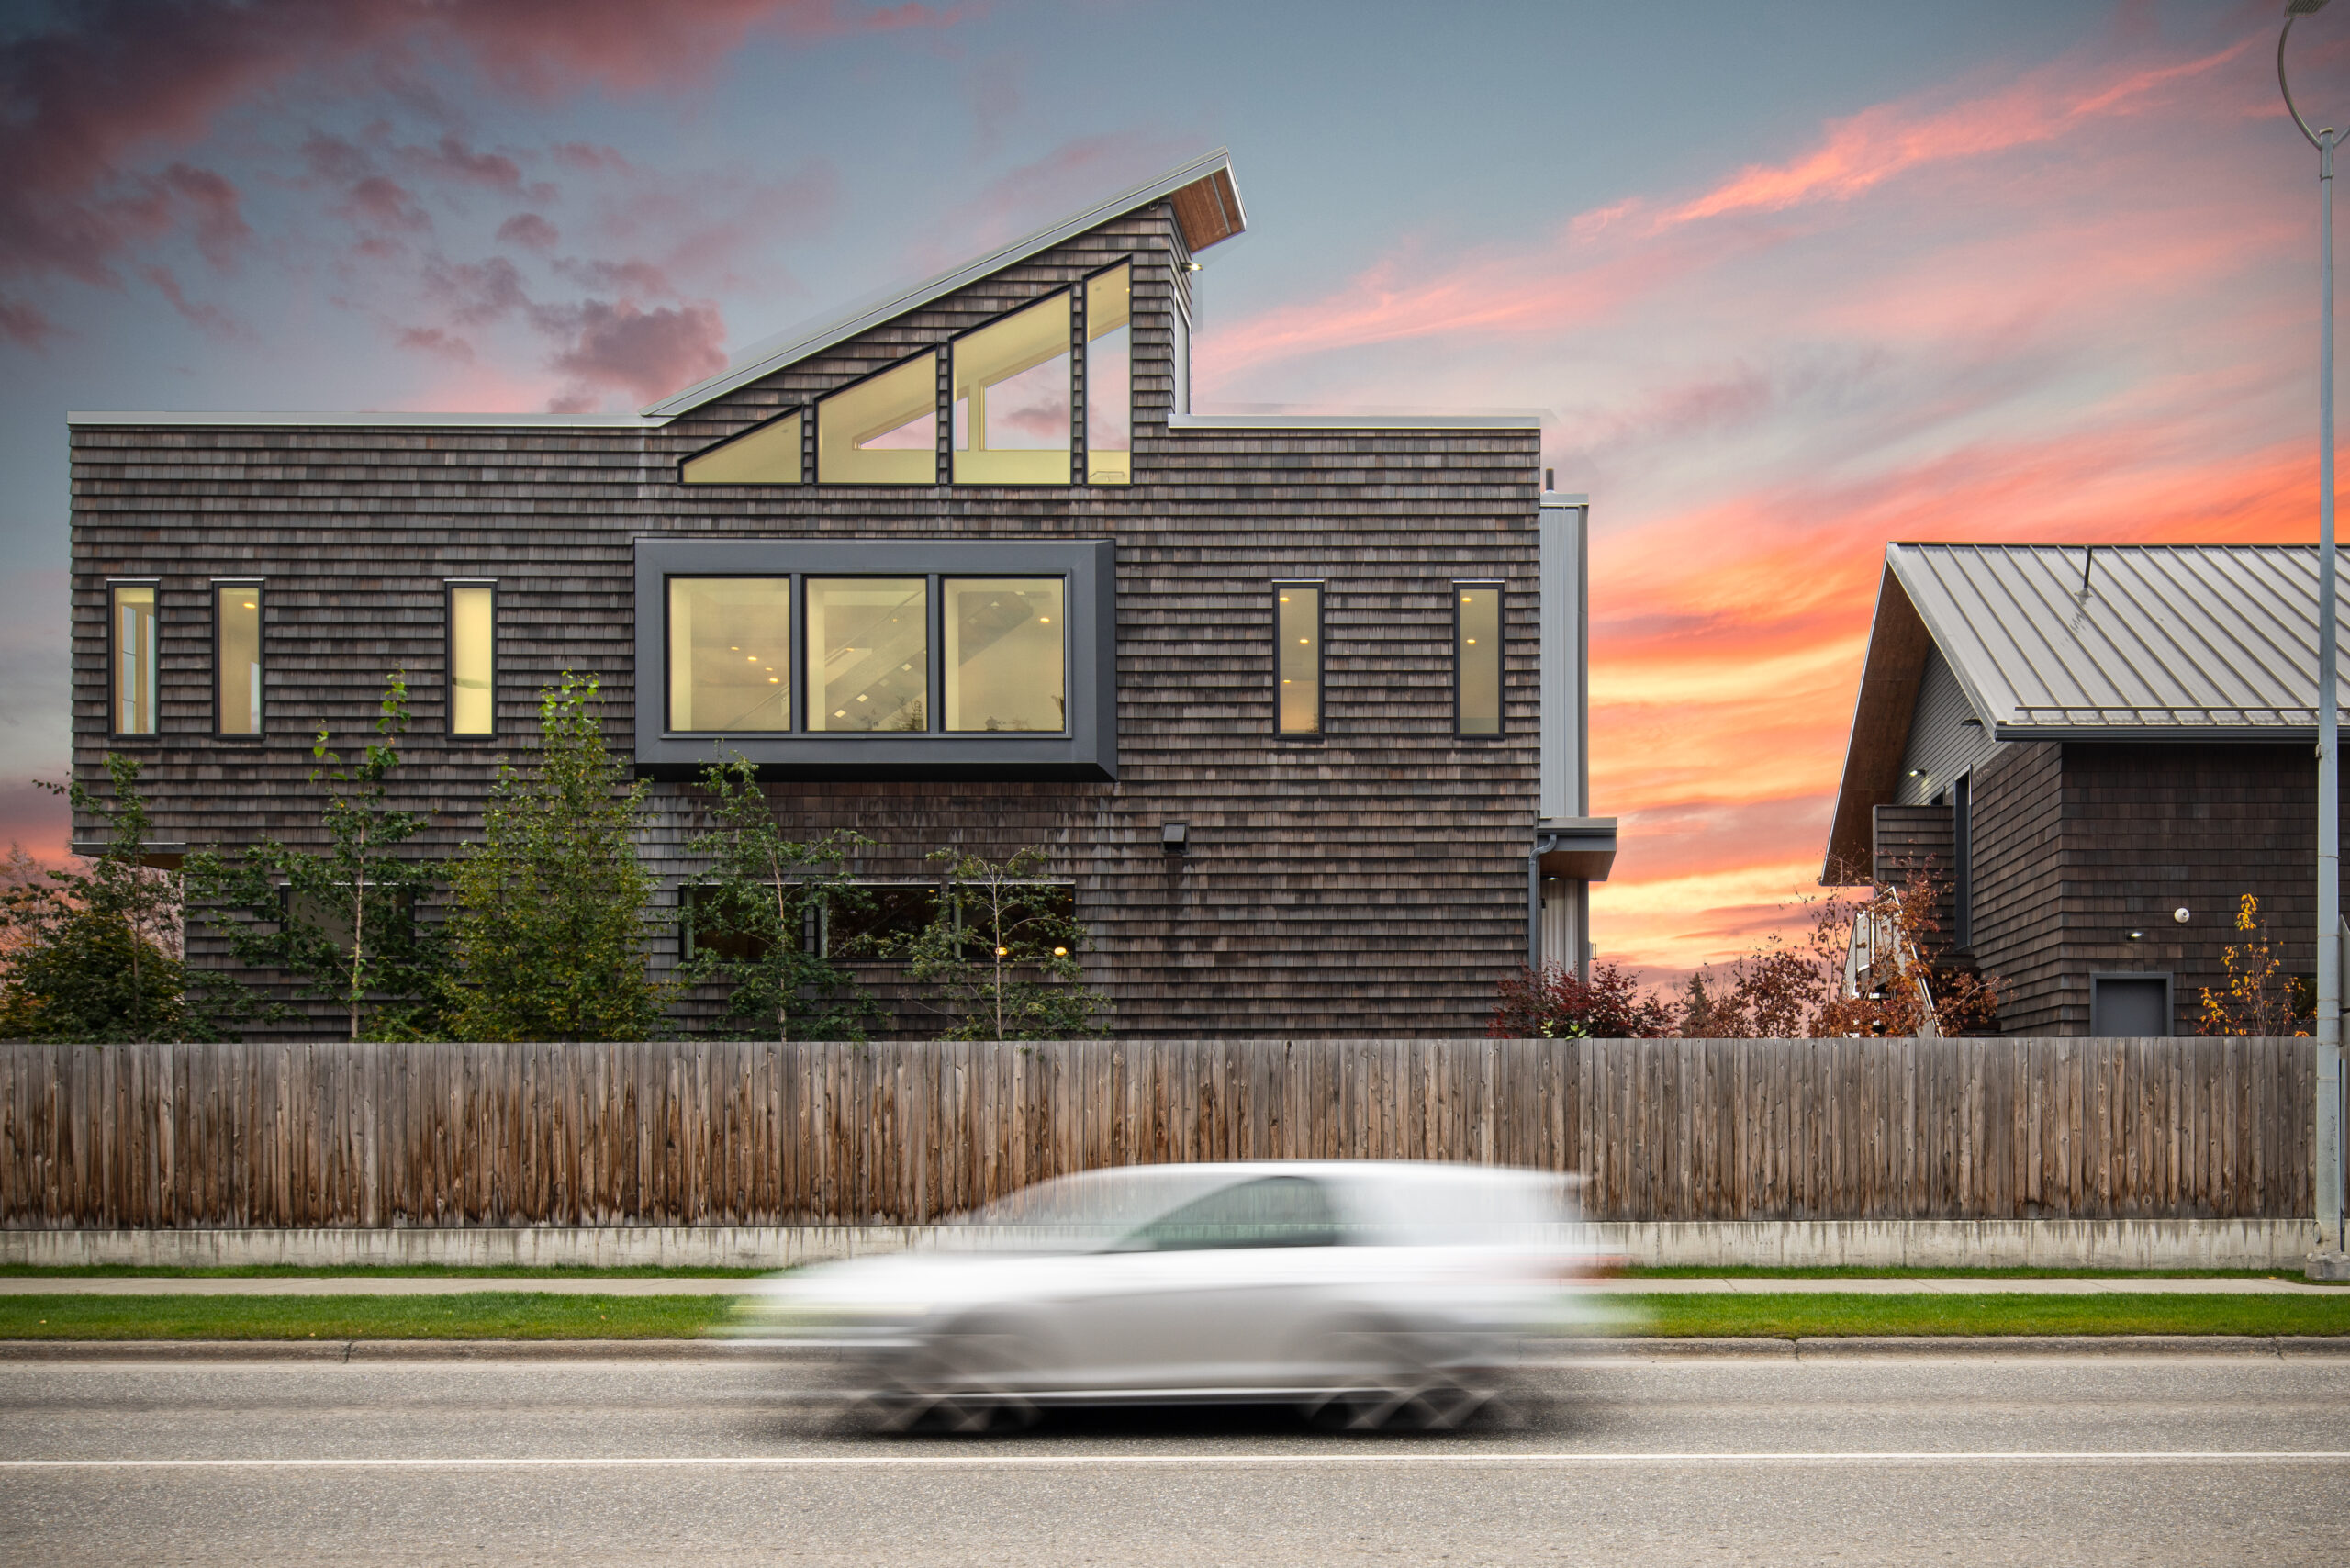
(752, 907)
(1907, 992)
(550, 911)
(999, 959)
(1553, 1003)
(2258, 998)
(347, 922)
(94, 953)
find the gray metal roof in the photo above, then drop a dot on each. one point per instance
(2204, 642)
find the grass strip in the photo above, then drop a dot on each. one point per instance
(1756, 1271)
(1831, 1315)
(364, 1271)
(477, 1315)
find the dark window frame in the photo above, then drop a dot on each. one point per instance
(1076, 292)
(795, 631)
(807, 456)
(941, 410)
(215, 587)
(1080, 442)
(114, 661)
(1962, 828)
(1321, 587)
(1500, 658)
(449, 587)
(1085, 749)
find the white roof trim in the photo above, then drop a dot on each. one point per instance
(772, 354)
(1514, 420)
(388, 418)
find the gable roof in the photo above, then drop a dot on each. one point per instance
(1208, 210)
(2070, 642)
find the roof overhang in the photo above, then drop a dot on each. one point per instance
(1580, 848)
(1898, 643)
(1208, 210)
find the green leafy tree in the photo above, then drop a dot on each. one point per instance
(94, 953)
(552, 919)
(752, 906)
(999, 959)
(349, 922)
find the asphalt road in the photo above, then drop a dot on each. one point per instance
(1928, 1460)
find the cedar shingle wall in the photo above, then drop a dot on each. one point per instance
(1373, 883)
(2019, 883)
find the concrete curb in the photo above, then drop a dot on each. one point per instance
(1696, 1349)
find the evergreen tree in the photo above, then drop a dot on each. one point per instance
(755, 908)
(348, 922)
(999, 959)
(94, 954)
(551, 919)
(1700, 1013)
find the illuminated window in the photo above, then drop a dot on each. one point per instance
(1297, 638)
(868, 653)
(1011, 398)
(236, 658)
(1477, 658)
(1109, 377)
(473, 659)
(768, 455)
(730, 653)
(1006, 667)
(883, 430)
(131, 629)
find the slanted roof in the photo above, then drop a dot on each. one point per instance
(2070, 642)
(1208, 210)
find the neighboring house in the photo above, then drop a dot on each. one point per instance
(1295, 703)
(2084, 742)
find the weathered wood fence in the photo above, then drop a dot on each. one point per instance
(332, 1134)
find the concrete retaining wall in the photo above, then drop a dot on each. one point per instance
(1983, 1244)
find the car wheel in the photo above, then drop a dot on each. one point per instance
(1381, 1378)
(967, 1381)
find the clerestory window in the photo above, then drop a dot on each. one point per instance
(883, 430)
(1109, 376)
(1011, 398)
(765, 455)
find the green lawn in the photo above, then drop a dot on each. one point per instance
(478, 1315)
(362, 1271)
(1693, 1271)
(1792, 1317)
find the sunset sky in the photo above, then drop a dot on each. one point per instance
(1790, 280)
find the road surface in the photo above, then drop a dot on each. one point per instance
(1955, 1459)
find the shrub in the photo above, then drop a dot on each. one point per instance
(2258, 999)
(999, 959)
(1553, 1003)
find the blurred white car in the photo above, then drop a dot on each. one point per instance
(1365, 1293)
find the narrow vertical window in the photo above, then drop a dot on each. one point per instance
(473, 659)
(1297, 663)
(730, 653)
(883, 430)
(130, 617)
(236, 658)
(1109, 377)
(1477, 658)
(1011, 398)
(868, 653)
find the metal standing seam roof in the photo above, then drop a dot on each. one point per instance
(2201, 642)
(2073, 642)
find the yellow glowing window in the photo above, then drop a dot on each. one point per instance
(1477, 658)
(473, 660)
(868, 653)
(883, 430)
(1109, 377)
(1006, 667)
(1297, 636)
(236, 652)
(730, 653)
(132, 632)
(1011, 398)
(768, 455)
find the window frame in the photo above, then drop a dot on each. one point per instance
(1501, 659)
(449, 587)
(952, 349)
(215, 587)
(1081, 402)
(1321, 587)
(942, 415)
(807, 411)
(114, 657)
(1086, 749)
(795, 630)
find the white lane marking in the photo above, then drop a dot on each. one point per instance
(1453, 1460)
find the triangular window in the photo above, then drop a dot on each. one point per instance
(882, 430)
(768, 454)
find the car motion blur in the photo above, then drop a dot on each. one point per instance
(1368, 1294)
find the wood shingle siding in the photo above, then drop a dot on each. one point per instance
(1373, 883)
(716, 1133)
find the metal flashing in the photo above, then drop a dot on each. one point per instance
(390, 419)
(1513, 419)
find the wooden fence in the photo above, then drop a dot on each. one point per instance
(304, 1134)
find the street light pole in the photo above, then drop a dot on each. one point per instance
(2326, 1163)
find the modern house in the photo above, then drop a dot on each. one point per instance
(1294, 702)
(2102, 749)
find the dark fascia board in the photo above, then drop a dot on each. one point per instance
(1581, 849)
(1088, 751)
(1895, 664)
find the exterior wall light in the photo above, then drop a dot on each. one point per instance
(2137, 935)
(1917, 773)
(1175, 837)
(2179, 914)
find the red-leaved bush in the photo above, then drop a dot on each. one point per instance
(1550, 1003)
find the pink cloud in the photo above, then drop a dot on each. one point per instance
(642, 352)
(528, 230)
(213, 320)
